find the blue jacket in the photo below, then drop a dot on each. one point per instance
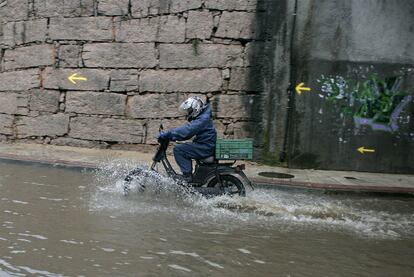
(201, 127)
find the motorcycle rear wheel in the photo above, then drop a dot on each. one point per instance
(231, 185)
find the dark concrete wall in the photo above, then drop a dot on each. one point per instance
(270, 70)
(358, 59)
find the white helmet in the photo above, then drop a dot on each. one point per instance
(193, 106)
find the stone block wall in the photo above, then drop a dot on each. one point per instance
(134, 62)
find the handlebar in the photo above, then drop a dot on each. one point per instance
(162, 148)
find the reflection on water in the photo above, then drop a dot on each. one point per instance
(62, 222)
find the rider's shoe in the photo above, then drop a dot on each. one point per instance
(188, 177)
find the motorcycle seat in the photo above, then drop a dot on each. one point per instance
(208, 160)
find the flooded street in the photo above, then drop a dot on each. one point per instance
(67, 222)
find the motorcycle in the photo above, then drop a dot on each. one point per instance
(211, 177)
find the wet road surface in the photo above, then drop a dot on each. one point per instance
(66, 222)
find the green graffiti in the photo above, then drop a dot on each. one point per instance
(378, 98)
(373, 98)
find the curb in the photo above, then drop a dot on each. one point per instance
(372, 189)
(50, 162)
(333, 187)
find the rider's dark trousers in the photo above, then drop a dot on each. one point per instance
(185, 152)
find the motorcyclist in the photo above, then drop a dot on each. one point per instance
(200, 127)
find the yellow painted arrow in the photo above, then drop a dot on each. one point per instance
(299, 88)
(362, 150)
(75, 77)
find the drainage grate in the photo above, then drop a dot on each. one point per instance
(276, 175)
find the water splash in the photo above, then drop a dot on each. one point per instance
(262, 207)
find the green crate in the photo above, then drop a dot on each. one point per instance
(235, 149)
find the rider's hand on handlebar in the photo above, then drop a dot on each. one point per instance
(164, 136)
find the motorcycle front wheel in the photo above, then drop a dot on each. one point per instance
(231, 185)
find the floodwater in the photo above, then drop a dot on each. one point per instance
(67, 222)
